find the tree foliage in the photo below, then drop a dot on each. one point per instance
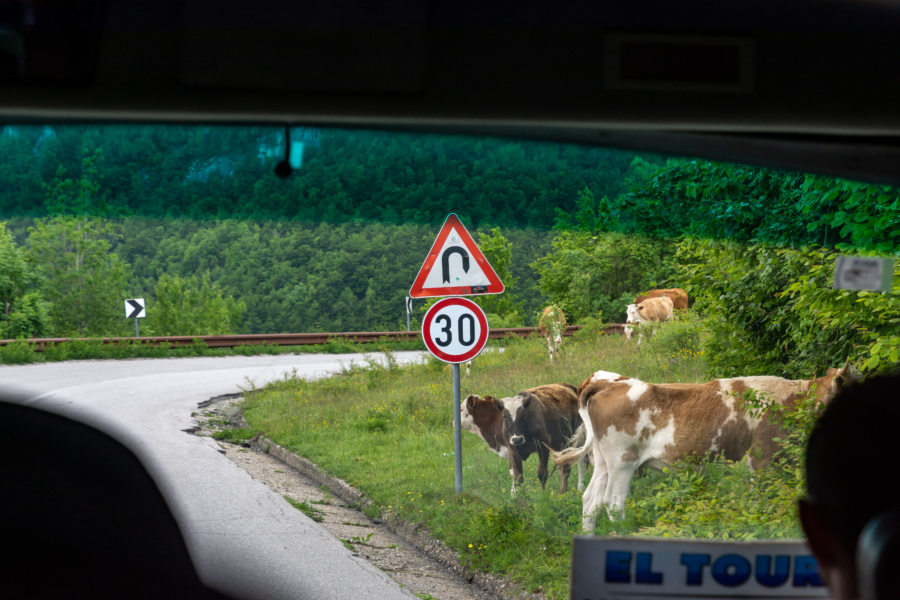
(83, 282)
(590, 275)
(192, 306)
(22, 313)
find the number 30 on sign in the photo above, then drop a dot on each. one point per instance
(455, 330)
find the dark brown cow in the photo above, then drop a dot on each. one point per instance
(679, 296)
(538, 420)
(484, 418)
(629, 423)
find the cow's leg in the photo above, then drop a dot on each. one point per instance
(515, 470)
(620, 475)
(593, 495)
(543, 459)
(564, 471)
(550, 348)
(581, 467)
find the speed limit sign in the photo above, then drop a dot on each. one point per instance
(455, 330)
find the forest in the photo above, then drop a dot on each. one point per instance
(194, 220)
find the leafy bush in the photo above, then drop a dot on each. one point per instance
(773, 311)
(19, 352)
(589, 274)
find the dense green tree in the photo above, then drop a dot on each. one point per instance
(83, 281)
(498, 252)
(590, 275)
(192, 306)
(770, 310)
(22, 314)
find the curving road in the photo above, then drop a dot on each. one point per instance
(245, 540)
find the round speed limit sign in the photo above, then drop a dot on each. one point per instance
(455, 330)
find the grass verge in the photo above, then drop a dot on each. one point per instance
(388, 431)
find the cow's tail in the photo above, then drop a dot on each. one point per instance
(571, 455)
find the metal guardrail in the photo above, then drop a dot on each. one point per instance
(286, 339)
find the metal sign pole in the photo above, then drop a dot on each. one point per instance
(457, 427)
(408, 310)
(137, 328)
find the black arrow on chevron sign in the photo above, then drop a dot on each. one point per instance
(136, 306)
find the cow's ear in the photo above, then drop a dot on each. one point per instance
(470, 402)
(526, 400)
(498, 404)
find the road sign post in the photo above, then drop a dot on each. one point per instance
(134, 309)
(455, 330)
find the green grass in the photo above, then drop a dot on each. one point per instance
(234, 435)
(310, 511)
(388, 431)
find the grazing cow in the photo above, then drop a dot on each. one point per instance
(539, 420)
(652, 309)
(553, 325)
(630, 423)
(679, 296)
(484, 418)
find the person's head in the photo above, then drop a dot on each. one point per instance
(850, 472)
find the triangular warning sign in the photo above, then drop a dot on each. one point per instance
(455, 266)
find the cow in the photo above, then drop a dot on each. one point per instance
(652, 309)
(630, 423)
(552, 325)
(679, 297)
(540, 419)
(484, 418)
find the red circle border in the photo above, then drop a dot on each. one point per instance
(453, 358)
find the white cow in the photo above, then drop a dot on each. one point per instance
(652, 309)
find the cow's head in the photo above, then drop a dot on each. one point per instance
(518, 417)
(633, 316)
(477, 410)
(834, 381)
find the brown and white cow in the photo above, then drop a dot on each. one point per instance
(552, 325)
(630, 423)
(679, 296)
(540, 419)
(650, 310)
(484, 418)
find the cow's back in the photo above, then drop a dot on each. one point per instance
(678, 296)
(656, 309)
(559, 402)
(667, 422)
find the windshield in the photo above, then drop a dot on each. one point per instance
(261, 230)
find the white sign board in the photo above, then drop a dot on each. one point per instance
(864, 273)
(455, 330)
(134, 309)
(655, 569)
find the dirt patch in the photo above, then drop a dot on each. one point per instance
(406, 553)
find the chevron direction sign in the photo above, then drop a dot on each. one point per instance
(134, 309)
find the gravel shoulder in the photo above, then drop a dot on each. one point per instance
(422, 565)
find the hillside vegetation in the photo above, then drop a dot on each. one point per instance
(194, 220)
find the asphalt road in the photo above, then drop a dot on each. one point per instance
(244, 539)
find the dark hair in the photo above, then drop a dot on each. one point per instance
(851, 459)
